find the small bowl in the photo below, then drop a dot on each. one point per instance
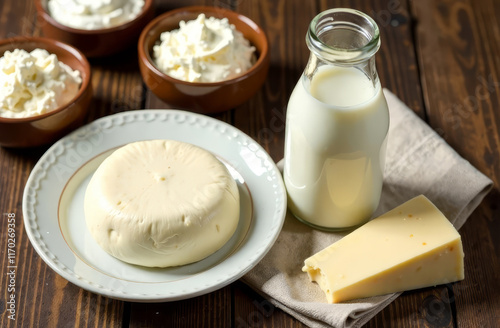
(207, 98)
(48, 127)
(99, 42)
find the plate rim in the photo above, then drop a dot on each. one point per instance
(38, 174)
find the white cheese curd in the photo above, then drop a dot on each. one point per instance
(161, 203)
(94, 14)
(204, 50)
(34, 83)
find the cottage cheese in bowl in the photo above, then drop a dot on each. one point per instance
(204, 50)
(94, 14)
(34, 83)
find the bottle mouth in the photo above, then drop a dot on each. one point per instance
(343, 35)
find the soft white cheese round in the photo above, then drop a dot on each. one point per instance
(161, 203)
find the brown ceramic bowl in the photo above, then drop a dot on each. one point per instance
(95, 43)
(48, 127)
(202, 97)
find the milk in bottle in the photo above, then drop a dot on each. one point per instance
(337, 123)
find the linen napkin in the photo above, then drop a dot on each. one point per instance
(418, 161)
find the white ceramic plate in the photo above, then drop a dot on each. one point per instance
(55, 224)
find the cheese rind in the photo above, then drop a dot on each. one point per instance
(409, 247)
(161, 203)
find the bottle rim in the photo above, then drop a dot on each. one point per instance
(328, 20)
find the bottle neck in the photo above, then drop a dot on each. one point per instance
(368, 67)
(345, 38)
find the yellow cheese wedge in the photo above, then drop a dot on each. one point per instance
(409, 247)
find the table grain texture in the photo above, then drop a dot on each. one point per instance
(442, 58)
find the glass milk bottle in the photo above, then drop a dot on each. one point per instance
(337, 123)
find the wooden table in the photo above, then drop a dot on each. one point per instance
(442, 58)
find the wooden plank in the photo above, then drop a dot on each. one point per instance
(476, 298)
(460, 77)
(117, 85)
(457, 49)
(397, 67)
(290, 61)
(43, 297)
(461, 85)
(16, 18)
(210, 310)
(263, 119)
(245, 119)
(428, 307)
(396, 60)
(285, 24)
